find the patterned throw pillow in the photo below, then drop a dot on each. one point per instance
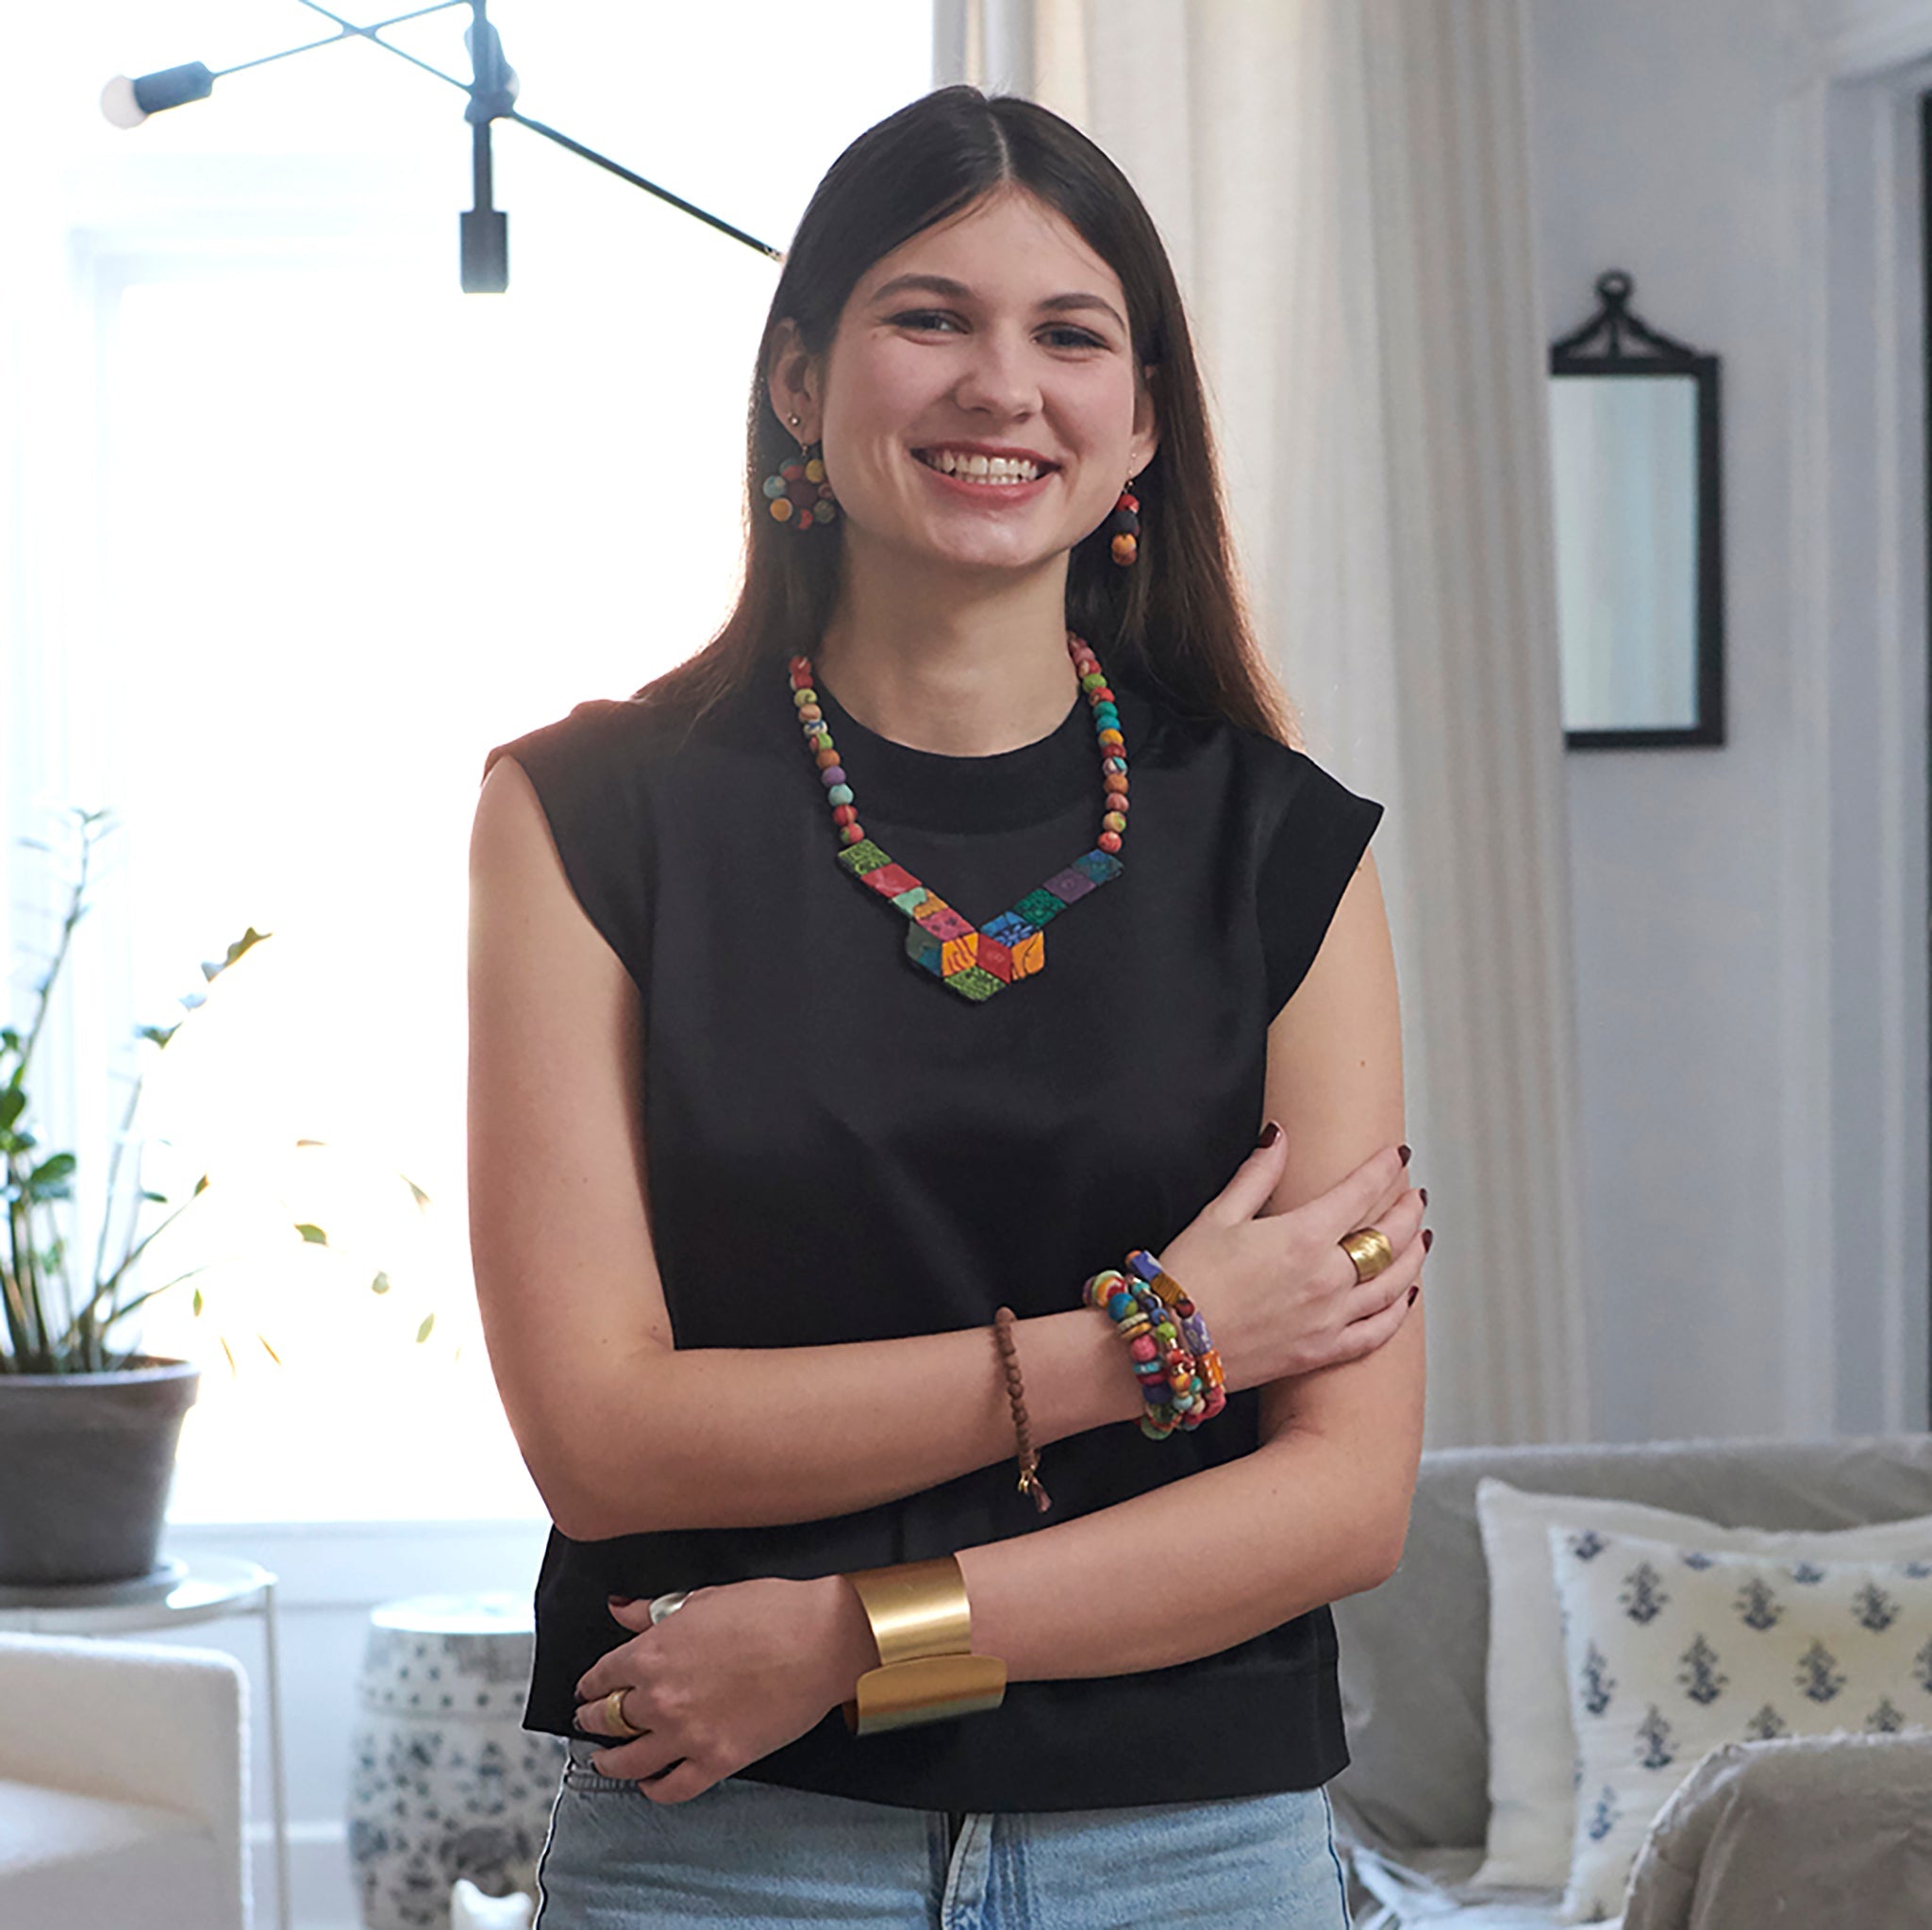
(1671, 1651)
(1532, 1744)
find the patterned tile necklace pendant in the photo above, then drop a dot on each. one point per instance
(976, 960)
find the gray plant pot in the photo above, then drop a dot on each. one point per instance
(86, 1460)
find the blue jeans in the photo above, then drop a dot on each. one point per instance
(756, 1856)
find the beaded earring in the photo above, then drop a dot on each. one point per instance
(1126, 527)
(799, 493)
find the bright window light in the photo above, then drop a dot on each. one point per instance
(354, 527)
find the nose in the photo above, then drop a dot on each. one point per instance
(999, 379)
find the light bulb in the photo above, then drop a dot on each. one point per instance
(119, 104)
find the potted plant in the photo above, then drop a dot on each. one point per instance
(89, 1422)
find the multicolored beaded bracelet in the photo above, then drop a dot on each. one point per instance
(1181, 1388)
(1132, 1310)
(1173, 1391)
(1194, 1328)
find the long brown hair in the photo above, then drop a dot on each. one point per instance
(1175, 622)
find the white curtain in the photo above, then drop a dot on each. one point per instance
(1344, 186)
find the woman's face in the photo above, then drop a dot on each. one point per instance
(979, 405)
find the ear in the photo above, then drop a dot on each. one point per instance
(1147, 424)
(794, 381)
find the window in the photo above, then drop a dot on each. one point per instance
(323, 530)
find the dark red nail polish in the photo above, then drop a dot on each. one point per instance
(1413, 1292)
(1269, 1133)
(1426, 1195)
(1429, 1237)
(1404, 1150)
(620, 1601)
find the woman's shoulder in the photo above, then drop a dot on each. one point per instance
(593, 726)
(1286, 770)
(624, 738)
(1265, 766)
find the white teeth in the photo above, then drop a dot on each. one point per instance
(981, 469)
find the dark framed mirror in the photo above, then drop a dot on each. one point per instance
(1640, 532)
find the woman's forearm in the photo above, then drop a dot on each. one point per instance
(735, 1438)
(1190, 1569)
(1319, 1510)
(1179, 1572)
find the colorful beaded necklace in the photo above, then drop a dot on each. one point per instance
(976, 961)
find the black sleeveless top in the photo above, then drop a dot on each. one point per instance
(841, 1148)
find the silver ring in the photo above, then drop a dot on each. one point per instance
(662, 1606)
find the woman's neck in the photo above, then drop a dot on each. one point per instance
(953, 663)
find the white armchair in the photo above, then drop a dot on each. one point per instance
(122, 1790)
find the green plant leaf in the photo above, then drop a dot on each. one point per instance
(159, 1199)
(421, 1198)
(197, 1303)
(160, 1035)
(246, 942)
(313, 1235)
(49, 1180)
(423, 1332)
(12, 1103)
(192, 999)
(380, 1284)
(200, 1187)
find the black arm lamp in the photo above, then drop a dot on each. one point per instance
(492, 91)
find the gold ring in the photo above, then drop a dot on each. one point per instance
(614, 1710)
(1369, 1248)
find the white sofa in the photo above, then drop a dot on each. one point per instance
(1412, 1806)
(122, 1790)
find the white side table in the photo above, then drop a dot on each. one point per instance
(205, 1589)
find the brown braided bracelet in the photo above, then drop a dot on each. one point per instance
(1030, 1482)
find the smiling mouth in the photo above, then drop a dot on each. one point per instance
(993, 471)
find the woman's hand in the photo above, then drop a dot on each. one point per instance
(738, 1672)
(1279, 1294)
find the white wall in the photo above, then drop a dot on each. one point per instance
(1750, 920)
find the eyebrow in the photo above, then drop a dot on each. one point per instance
(958, 291)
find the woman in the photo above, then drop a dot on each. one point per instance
(760, 1152)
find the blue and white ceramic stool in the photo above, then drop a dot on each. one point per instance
(443, 1781)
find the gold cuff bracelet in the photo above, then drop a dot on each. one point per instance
(923, 1625)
